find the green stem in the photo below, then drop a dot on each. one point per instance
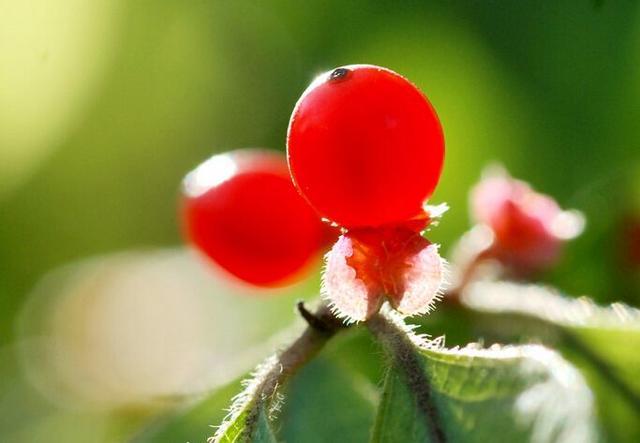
(322, 325)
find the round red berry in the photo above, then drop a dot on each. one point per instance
(242, 210)
(365, 147)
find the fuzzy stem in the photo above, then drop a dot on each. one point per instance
(322, 325)
(403, 355)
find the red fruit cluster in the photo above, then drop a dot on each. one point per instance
(242, 210)
(365, 148)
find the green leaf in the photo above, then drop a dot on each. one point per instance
(511, 393)
(331, 398)
(601, 341)
(249, 416)
(334, 397)
(263, 432)
(548, 305)
(242, 430)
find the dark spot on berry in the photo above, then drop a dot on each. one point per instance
(339, 74)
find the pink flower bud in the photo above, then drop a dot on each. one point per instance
(365, 267)
(529, 228)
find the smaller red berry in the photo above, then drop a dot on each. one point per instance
(529, 229)
(365, 147)
(242, 210)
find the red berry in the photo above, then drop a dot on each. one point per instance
(242, 210)
(365, 147)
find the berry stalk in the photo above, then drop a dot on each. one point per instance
(264, 394)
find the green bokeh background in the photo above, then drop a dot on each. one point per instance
(104, 106)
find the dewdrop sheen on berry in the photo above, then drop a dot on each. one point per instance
(365, 147)
(242, 210)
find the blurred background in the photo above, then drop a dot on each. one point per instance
(105, 105)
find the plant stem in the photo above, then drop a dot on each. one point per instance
(402, 352)
(322, 325)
